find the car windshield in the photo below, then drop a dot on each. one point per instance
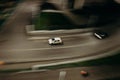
(53, 39)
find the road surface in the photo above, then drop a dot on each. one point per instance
(15, 45)
(95, 73)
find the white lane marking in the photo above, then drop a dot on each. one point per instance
(38, 38)
(31, 71)
(63, 47)
(85, 34)
(77, 35)
(62, 75)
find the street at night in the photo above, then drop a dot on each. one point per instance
(22, 47)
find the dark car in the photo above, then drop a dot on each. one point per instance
(100, 34)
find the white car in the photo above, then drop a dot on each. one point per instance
(56, 40)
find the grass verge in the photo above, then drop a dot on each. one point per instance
(111, 60)
(51, 21)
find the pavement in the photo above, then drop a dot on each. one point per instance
(94, 73)
(16, 46)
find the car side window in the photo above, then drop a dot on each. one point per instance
(53, 39)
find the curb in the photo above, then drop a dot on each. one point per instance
(43, 66)
(31, 31)
(105, 54)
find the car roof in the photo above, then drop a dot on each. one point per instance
(55, 38)
(100, 32)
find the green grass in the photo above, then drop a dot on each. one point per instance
(116, 78)
(111, 60)
(56, 21)
(52, 21)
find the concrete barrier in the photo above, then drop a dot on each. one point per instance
(103, 55)
(31, 31)
(29, 28)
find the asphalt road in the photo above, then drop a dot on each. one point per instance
(15, 45)
(95, 73)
